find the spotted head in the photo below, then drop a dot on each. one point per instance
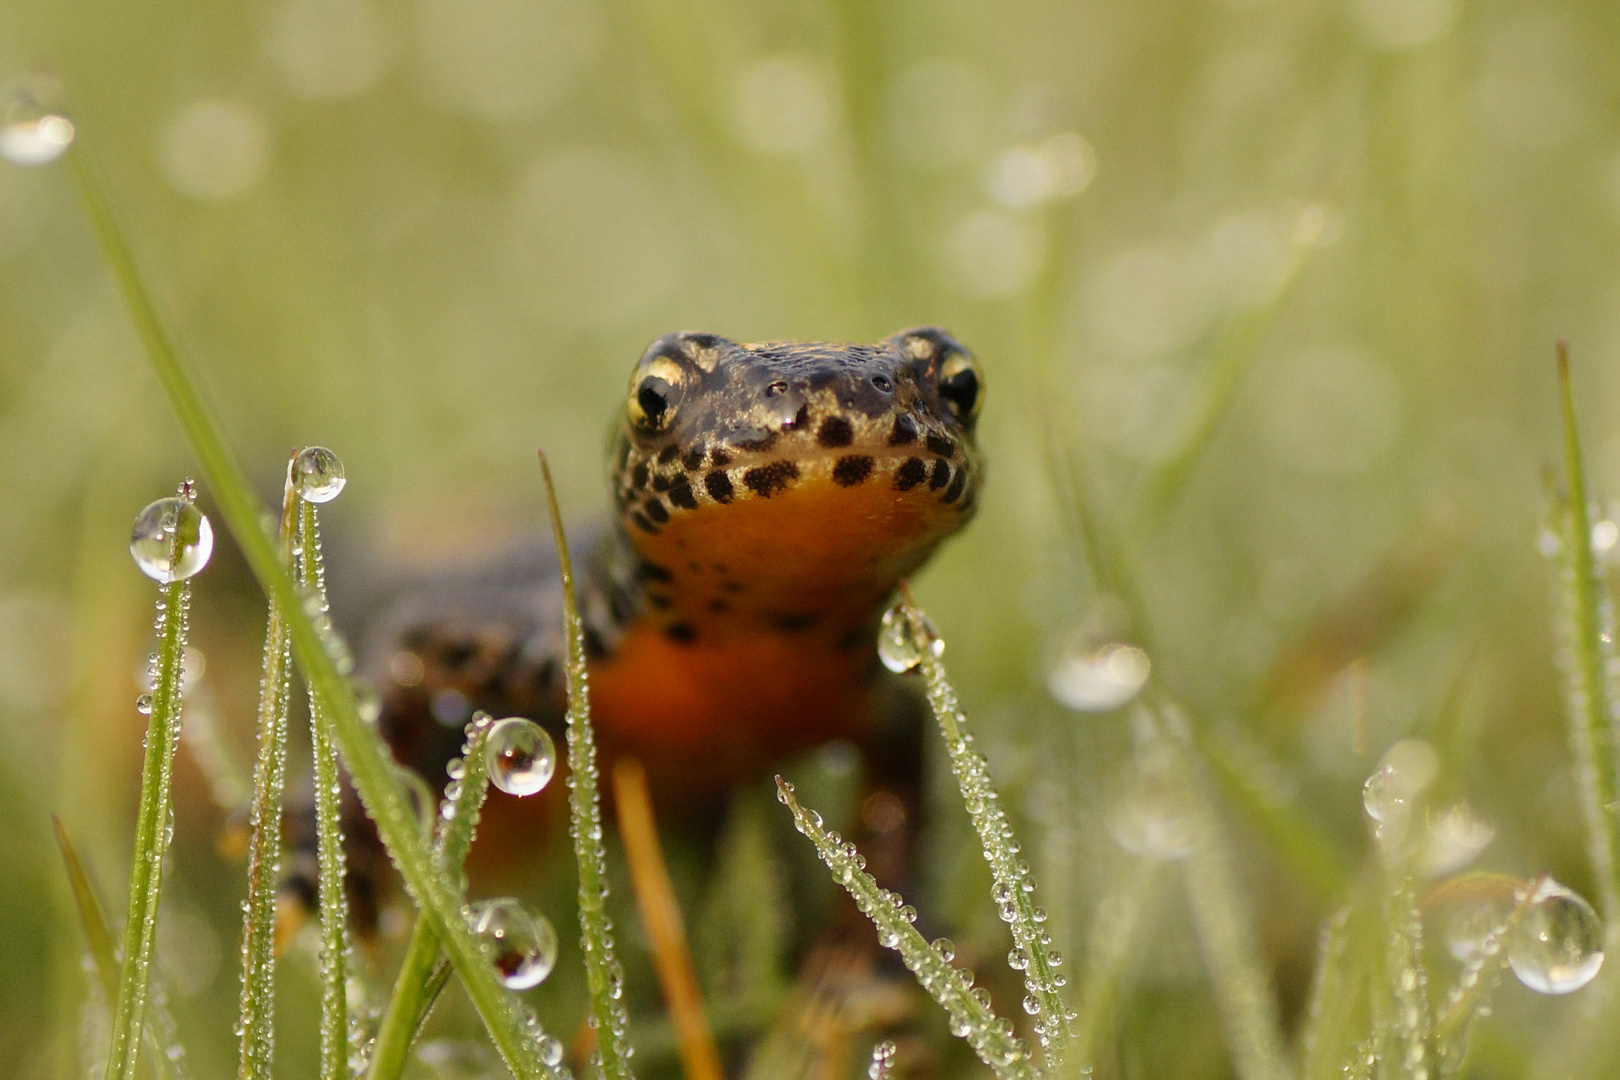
(793, 483)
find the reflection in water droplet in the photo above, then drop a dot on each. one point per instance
(1558, 947)
(143, 704)
(522, 944)
(153, 537)
(898, 649)
(521, 756)
(318, 473)
(1098, 680)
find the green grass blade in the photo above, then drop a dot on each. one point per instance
(971, 1018)
(1468, 997)
(257, 1020)
(1587, 627)
(363, 753)
(1335, 1016)
(602, 974)
(1123, 915)
(1248, 1006)
(421, 977)
(330, 860)
(1014, 887)
(153, 831)
(1230, 359)
(163, 1049)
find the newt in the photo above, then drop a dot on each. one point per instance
(768, 499)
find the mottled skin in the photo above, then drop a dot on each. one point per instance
(770, 497)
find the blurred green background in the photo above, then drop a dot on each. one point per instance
(435, 234)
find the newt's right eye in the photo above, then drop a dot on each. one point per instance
(656, 390)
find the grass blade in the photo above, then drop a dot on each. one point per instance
(1587, 627)
(257, 1020)
(420, 976)
(661, 917)
(163, 1049)
(363, 753)
(1014, 887)
(1116, 933)
(969, 1010)
(603, 976)
(334, 901)
(153, 827)
(1467, 999)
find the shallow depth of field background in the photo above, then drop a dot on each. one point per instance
(436, 234)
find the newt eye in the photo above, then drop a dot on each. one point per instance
(656, 390)
(960, 384)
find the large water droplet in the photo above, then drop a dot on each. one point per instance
(152, 540)
(1557, 948)
(318, 474)
(522, 945)
(31, 133)
(898, 648)
(1098, 680)
(143, 704)
(521, 756)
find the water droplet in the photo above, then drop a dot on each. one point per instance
(521, 756)
(1549, 543)
(367, 702)
(898, 649)
(521, 944)
(318, 474)
(1032, 1004)
(143, 704)
(1017, 960)
(1405, 770)
(1604, 535)
(551, 1052)
(1557, 948)
(946, 948)
(1098, 680)
(31, 132)
(152, 540)
(1152, 817)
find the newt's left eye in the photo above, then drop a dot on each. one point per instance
(656, 390)
(961, 385)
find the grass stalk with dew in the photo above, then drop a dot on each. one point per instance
(257, 1019)
(164, 1054)
(968, 1008)
(334, 901)
(367, 759)
(153, 825)
(1032, 953)
(420, 974)
(1115, 939)
(603, 977)
(1586, 629)
(1466, 1000)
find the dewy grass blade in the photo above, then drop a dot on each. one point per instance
(334, 902)
(971, 1018)
(603, 977)
(1587, 628)
(1014, 887)
(163, 1050)
(153, 827)
(1467, 999)
(257, 1021)
(420, 979)
(363, 754)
